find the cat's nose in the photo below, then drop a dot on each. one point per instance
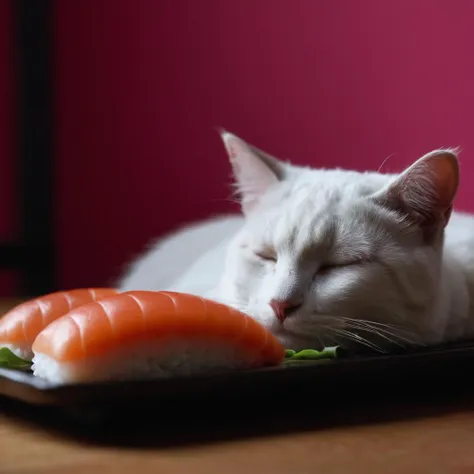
(283, 308)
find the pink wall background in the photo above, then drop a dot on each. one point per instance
(141, 87)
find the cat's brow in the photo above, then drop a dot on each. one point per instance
(318, 239)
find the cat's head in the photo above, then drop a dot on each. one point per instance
(325, 254)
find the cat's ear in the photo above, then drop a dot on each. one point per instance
(425, 191)
(254, 171)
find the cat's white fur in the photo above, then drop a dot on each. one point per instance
(372, 258)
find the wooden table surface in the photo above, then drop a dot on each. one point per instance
(434, 436)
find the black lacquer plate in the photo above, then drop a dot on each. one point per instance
(345, 376)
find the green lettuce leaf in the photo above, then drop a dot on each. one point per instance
(10, 361)
(311, 354)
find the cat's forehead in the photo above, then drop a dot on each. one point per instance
(336, 184)
(321, 208)
(327, 192)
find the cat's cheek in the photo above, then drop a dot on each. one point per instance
(250, 281)
(262, 313)
(333, 292)
(257, 271)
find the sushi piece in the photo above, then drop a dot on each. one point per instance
(151, 334)
(20, 326)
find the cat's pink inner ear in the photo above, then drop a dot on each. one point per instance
(446, 172)
(427, 189)
(252, 175)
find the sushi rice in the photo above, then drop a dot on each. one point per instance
(172, 357)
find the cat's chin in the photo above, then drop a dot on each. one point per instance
(292, 332)
(295, 341)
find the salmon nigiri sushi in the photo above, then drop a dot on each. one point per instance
(151, 334)
(20, 326)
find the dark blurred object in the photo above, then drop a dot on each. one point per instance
(32, 254)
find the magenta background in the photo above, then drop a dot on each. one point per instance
(141, 86)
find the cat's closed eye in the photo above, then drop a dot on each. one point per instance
(265, 255)
(326, 267)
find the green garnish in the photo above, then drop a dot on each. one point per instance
(10, 361)
(311, 354)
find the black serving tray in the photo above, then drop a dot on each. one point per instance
(313, 395)
(354, 376)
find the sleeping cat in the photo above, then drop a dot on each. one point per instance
(330, 256)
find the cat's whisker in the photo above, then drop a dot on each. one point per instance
(334, 339)
(320, 341)
(368, 321)
(385, 333)
(337, 342)
(372, 323)
(413, 340)
(392, 340)
(381, 329)
(359, 339)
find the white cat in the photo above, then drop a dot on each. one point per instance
(326, 256)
